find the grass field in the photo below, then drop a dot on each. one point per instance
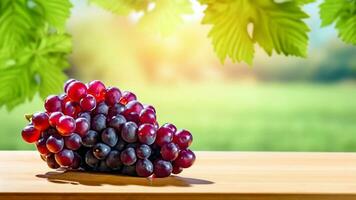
(273, 117)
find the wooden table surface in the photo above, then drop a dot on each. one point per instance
(215, 175)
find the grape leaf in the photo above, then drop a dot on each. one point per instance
(122, 7)
(32, 53)
(280, 27)
(343, 13)
(300, 2)
(15, 24)
(276, 27)
(35, 67)
(55, 12)
(166, 16)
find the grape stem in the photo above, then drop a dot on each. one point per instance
(29, 117)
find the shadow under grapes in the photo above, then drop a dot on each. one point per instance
(98, 179)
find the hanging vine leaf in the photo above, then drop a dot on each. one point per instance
(33, 49)
(277, 27)
(343, 14)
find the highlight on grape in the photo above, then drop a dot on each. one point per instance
(97, 128)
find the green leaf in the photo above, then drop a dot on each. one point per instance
(302, 2)
(343, 13)
(166, 16)
(33, 48)
(55, 12)
(52, 51)
(299, 2)
(16, 22)
(275, 27)
(280, 27)
(37, 66)
(17, 86)
(122, 7)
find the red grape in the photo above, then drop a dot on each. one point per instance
(146, 134)
(185, 158)
(127, 97)
(162, 168)
(30, 134)
(164, 135)
(41, 146)
(81, 126)
(40, 121)
(150, 107)
(97, 89)
(67, 83)
(88, 103)
(73, 141)
(76, 90)
(64, 157)
(170, 126)
(177, 169)
(112, 96)
(54, 118)
(51, 162)
(54, 144)
(147, 115)
(183, 139)
(66, 125)
(133, 106)
(169, 151)
(71, 109)
(53, 103)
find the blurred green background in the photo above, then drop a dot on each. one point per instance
(280, 104)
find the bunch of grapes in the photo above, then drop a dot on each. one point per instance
(95, 128)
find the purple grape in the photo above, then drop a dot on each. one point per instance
(129, 132)
(128, 156)
(113, 160)
(98, 122)
(129, 170)
(51, 162)
(169, 151)
(100, 151)
(162, 168)
(76, 161)
(144, 168)
(102, 167)
(101, 108)
(117, 122)
(117, 109)
(120, 145)
(90, 159)
(143, 151)
(90, 139)
(73, 141)
(109, 137)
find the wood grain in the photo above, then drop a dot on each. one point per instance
(215, 175)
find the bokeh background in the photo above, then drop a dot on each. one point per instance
(278, 104)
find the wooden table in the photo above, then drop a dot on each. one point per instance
(215, 175)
